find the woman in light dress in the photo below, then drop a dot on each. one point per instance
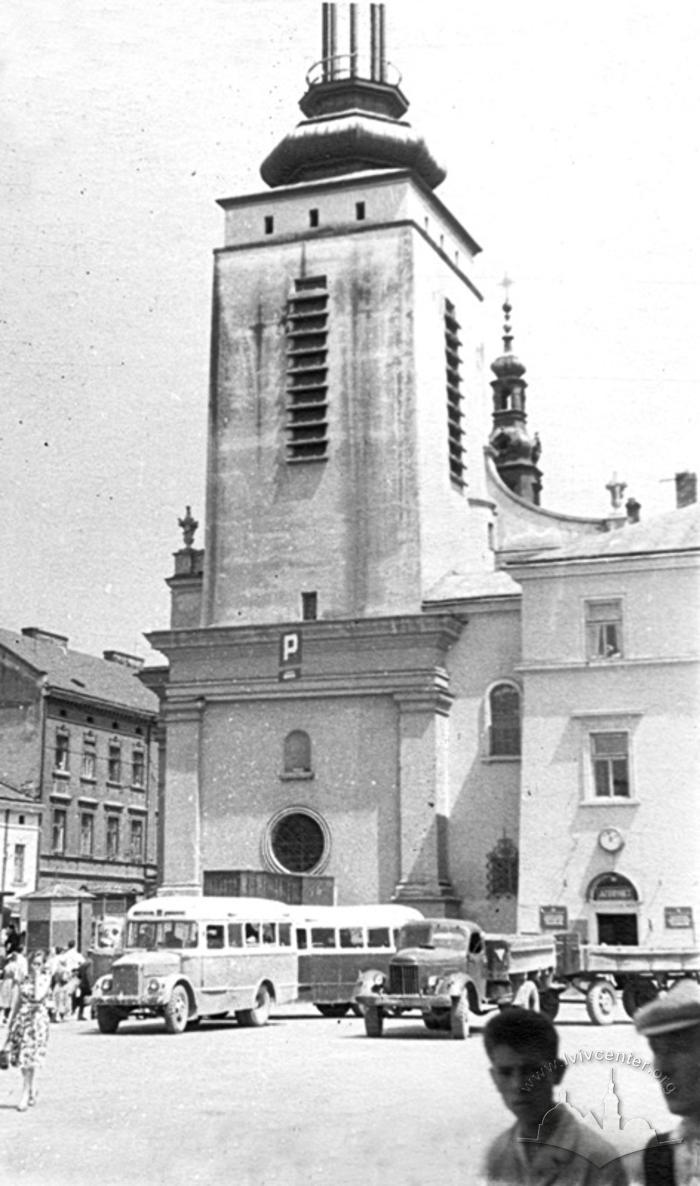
(28, 1026)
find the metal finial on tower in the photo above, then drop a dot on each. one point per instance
(506, 284)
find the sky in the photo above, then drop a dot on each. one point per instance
(569, 132)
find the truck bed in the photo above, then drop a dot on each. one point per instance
(640, 959)
(512, 955)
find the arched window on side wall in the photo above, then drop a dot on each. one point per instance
(297, 752)
(504, 721)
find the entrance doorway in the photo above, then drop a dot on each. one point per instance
(617, 930)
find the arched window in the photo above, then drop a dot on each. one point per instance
(297, 752)
(504, 721)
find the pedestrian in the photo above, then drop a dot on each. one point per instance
(671, 1023)
(82, 989)
(60, 986)
(548, 1144)
(28, 1027)
(12, 939)
(15, 969)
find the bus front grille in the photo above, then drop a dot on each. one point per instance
(125, 982)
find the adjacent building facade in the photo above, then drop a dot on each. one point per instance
(78, 741)
(20, 834)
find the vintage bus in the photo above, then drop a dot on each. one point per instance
(187, 959)
(338, 943)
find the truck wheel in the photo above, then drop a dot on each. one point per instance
(374, 1021)
(107, 1020)
(333, 1010)
(459, 1017)
(600, 1003)
(527, 997)
(177, 1010)
(636, 994)
(260, 1012)
(549, 1003)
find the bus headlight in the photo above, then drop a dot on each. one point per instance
(153, 987)
(105, 984)
(432, 983)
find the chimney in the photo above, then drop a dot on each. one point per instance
(124, 660)
(686, 489)
(633, 508)
(42, 635)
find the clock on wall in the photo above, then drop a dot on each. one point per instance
(610, 840)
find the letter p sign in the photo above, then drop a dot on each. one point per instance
(290, 655)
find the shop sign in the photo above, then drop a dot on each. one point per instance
(678, 917)
(554, 918)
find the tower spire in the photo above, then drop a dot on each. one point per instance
(354, 110)
(516, 453)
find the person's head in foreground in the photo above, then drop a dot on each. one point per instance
(522, 1047)
(671, 1023)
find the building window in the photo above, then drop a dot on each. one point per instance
(58, 831)
(297, 752)
(307, 371)
(604, 629)
(87, 833)
(610, 757)
(88, 767)
(297, 842)
(313, 218)
(455, 398)
(502, 869)
(114, 762)
(112, 837)
(309, 607)
(504, 721)
(19, 855)
(269, 224)
(138, 768)
(136, 839)
(61, 760)
(360, 211)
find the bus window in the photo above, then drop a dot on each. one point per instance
(351, 937)
(323, 937)
(235, 934)
(215, 935)
(302, 938)
(378, 937)
(252, 934)
(285, 934)
(268, 932)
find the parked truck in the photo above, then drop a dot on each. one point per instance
(449, 968)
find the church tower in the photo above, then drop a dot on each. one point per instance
(516, 453)
(313, 639)
(344, 453)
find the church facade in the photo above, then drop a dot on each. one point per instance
(345, 692)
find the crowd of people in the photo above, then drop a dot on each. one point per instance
(49, 987)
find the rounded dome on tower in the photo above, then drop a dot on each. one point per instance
(507, 366)
(354, 110)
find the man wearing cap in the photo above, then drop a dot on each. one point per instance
(671, 1022)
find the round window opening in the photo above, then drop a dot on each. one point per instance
(298, 842)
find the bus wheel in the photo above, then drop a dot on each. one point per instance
(332, 1010)
(107, 1020)
(432, 1022)
(459, 1017)
(374, 1021)
(600, 1003)
(260, 1012)
(549, 1003)
(177, 1010)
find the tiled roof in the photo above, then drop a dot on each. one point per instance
(456, 586)
(675, 531)
(13, 794)
(90, 677)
